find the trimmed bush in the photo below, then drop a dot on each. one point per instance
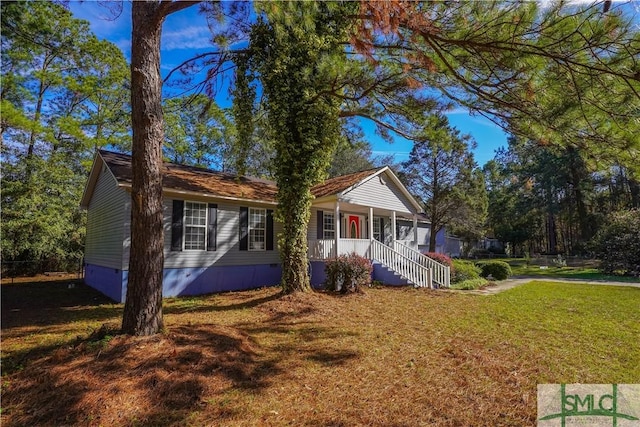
(463, 270)
(617, 244)
(471, 284)
(348, 273)
(499, 270)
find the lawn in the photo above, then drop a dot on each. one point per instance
(578, 269)
(578, 273)
(393, 357)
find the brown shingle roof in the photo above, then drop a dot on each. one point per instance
(206, 181)
(199, 180)
(341, 183)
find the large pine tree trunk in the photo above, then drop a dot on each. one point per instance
(143, 306)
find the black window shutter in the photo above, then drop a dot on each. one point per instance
(381, 229)
(269, 230)
(320, 225)
(342, 232)
(176, 225)
(244, 228)
(212, 228)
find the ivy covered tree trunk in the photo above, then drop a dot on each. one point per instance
(299, 54)
(293, 244)
(143, 306)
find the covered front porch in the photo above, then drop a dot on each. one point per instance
(373, 234)
(356, 228)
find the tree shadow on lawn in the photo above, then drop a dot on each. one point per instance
(53, 302)
(164, 379)
(202, 303)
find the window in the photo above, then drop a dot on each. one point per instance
(195, 225)
(377, 232)
(257, 229)
(329, 226)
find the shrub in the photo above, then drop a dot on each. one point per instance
(348, 273)
(617, 244)
(559, 261)
(441, 258)
(499, 270)
(463, 270)
(471, 284)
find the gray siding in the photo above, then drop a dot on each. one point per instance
(380, 192)
(105, 223)
(312, 232)
(228, 245)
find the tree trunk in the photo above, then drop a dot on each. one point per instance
(552, 240)
(634, 189)
(295, 210)
(432, 238)
(38, 113)
(143, 306)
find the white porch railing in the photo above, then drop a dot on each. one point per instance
(415, 273)
(321, 249)
(325, 249)
(418, 269)
(441, 272)
(361, 247)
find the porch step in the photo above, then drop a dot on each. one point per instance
(388, 276)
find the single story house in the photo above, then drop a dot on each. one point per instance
(220, 231)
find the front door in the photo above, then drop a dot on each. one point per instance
(354, 227)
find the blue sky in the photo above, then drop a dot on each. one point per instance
(186, 33)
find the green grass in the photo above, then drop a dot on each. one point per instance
(580, 273)
(387, 357)
(579, 333)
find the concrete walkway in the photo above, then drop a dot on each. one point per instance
(520, 280)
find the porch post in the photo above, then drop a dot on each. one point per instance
(370, 223)
(337, 228)
(393, 227)
(370, 232)
(415, 231)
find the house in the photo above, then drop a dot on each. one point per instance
(405, 234)
(220, 231)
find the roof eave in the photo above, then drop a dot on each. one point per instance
(90, 185)
(176, 192)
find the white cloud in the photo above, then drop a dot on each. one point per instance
(456, 111)
(193, 37)
(547, 3)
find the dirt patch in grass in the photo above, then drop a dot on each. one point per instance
(400, 357)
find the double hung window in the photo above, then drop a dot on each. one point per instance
(329, 226)
(257, 229)
(195, 226)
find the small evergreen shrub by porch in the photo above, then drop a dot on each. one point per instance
(348, 273)
(464, 270)
(499, 270)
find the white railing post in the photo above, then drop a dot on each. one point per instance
(393, 227)
(415, 231)
(370, 223)
(336, 218)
